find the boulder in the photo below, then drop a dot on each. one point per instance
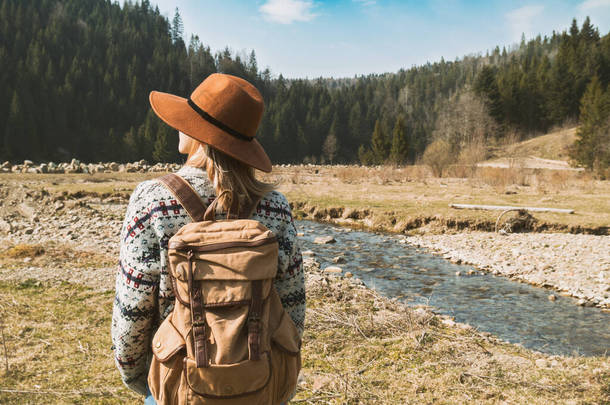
(324, 240)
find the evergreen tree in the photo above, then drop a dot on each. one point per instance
(162, 151)
(177, 27)
(591, 147)
(487, 87)
(399, 150)
(380, 144)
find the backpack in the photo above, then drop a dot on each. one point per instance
(228, 339)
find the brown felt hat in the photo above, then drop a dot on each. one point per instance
(224, 112)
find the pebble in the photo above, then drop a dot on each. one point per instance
(308, 253)
(323, 240)
(300, 234)
(458, 273)
(542, 363)
(576, 264)
(333, 269)
(338, 260)
(348, 274)
(552, 297)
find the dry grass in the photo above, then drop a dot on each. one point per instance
(554, 145)
(401, 199)
(396, 196)
(58, 341)
(358, 348)
(52, 255)
(364, 349)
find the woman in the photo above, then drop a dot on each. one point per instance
(217, 127)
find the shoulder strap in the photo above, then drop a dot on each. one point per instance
(185, 194)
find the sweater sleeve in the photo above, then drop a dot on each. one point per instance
(290, 279)
(136, 299)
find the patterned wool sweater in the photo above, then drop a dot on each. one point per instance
(144, 296)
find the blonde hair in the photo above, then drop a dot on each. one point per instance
(227, 174)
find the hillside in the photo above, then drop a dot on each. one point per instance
(73, 67)
(550, 151)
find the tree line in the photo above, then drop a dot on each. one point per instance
(76, 76)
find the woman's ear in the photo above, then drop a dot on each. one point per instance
(184, 143)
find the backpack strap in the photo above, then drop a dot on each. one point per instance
(254, 320)
(185, 194)
(199, 334)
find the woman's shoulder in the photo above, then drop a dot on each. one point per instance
(275, 198)
(148, 191)
(151, 191)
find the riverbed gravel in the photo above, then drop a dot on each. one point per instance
(576, 265)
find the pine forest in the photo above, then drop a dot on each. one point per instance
(76, 75)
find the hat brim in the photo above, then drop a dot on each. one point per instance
(176, 112)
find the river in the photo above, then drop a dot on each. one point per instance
(515, 312)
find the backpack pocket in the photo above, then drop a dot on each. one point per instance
(166, 366)
(225, 381)
(286, 358)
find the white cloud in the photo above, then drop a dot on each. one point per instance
(589, 5)
(288, 11)
(520, 20)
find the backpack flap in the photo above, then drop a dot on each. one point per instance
(167, 341)
(230, 380)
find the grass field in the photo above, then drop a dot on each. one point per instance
(403, 199)
(358, 348)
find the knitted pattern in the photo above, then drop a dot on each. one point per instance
(144, 297)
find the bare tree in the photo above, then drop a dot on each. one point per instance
(463, 121)
(330, 147)
(438, 157)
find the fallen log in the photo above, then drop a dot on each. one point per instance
(509, 208)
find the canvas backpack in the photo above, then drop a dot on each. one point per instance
(228, 339)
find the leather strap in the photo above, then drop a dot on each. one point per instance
(197, 318)
(188, 197)
(254, 320)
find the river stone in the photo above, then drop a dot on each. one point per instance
(552, 297)
(339, 260)
(581, 302)
(333, 269)
(348, 274)
(308, 253)
(300, 234)
(542, 363)
(323, 240)
(5, 226)
(26, 210)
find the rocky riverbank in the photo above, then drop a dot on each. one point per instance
(75, 166)
(576, 265)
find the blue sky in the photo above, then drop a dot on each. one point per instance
(343, 38)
